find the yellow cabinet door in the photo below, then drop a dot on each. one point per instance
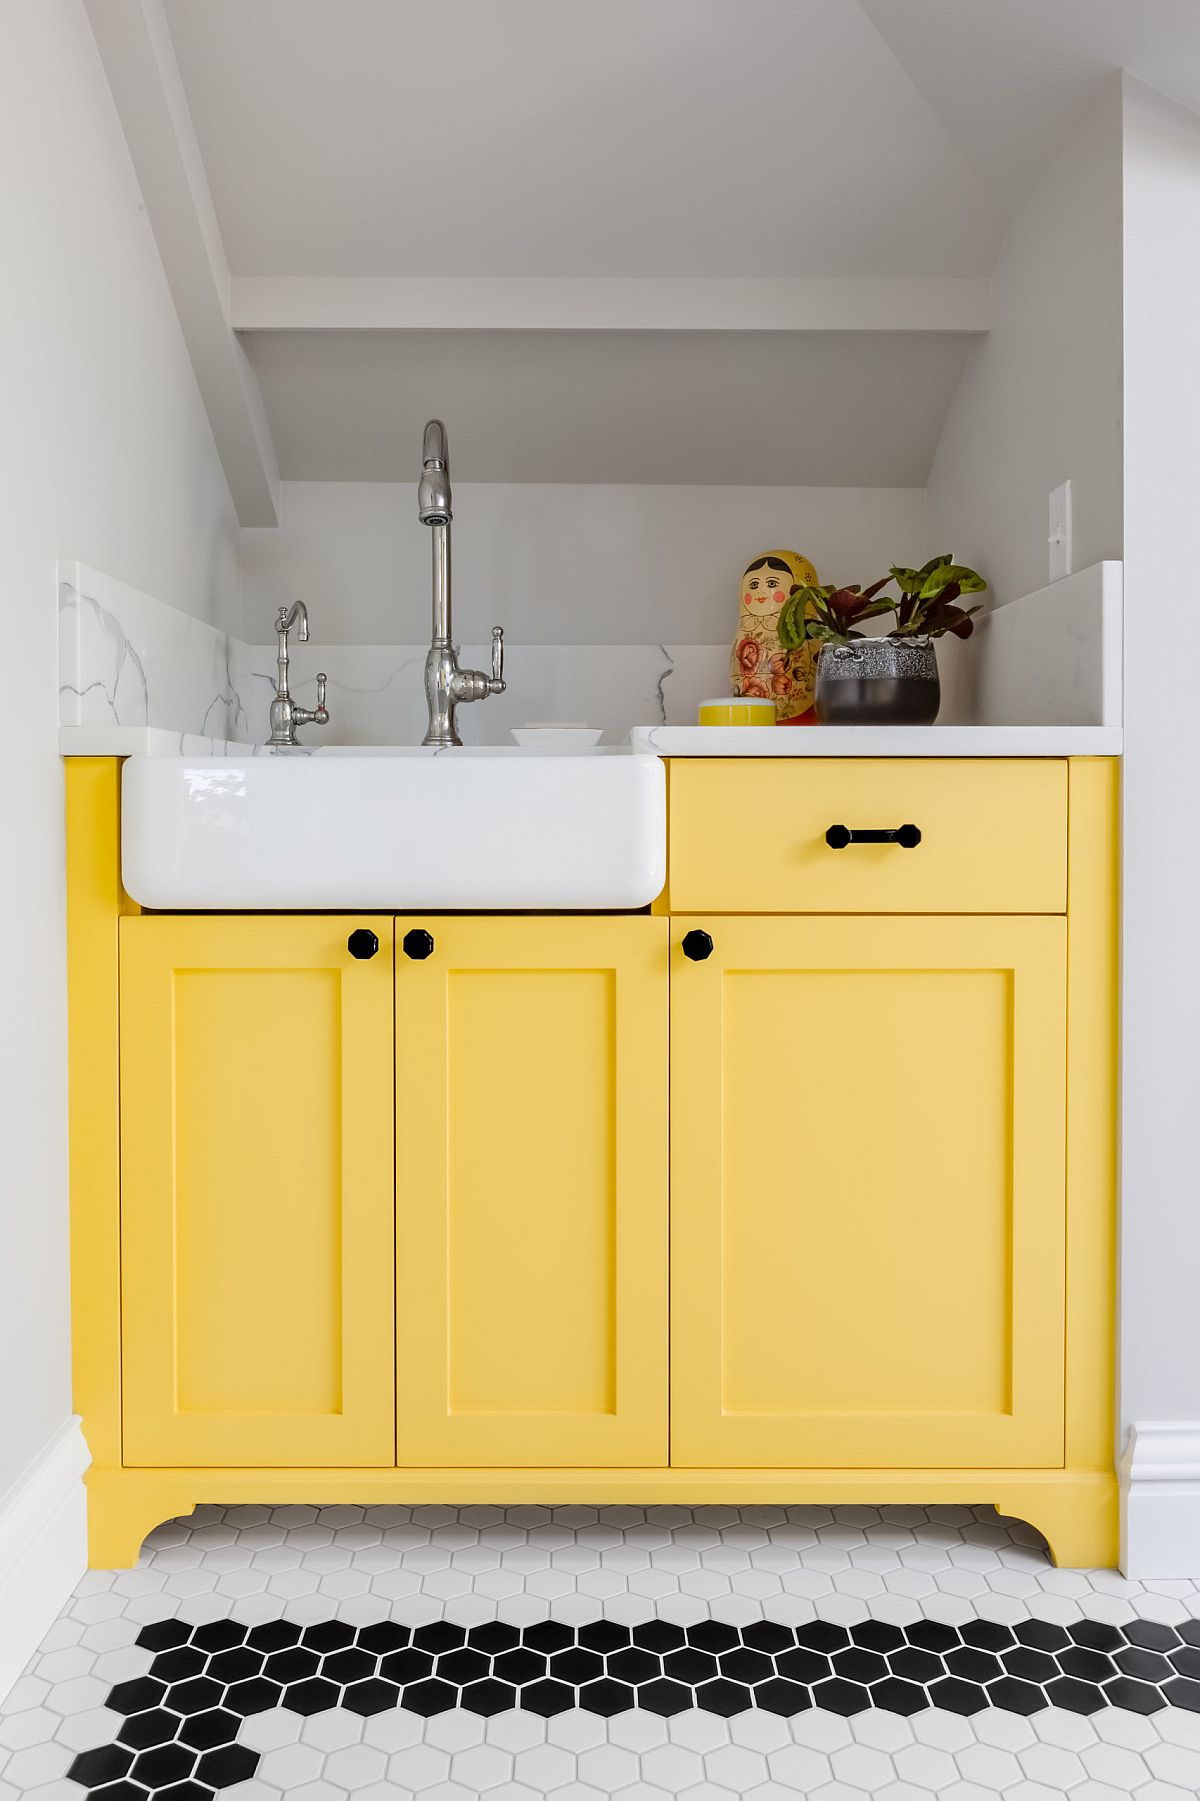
(256, 1192)
(868, 1207)
(531, 1191)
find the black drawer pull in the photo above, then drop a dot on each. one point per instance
(362, 944)
(418, 944)
(906, 836)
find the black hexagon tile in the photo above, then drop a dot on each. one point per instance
(180, 1721)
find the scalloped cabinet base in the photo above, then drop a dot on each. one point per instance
(1076, 1511)
(608, 1207)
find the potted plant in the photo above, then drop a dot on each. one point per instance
(891, 680)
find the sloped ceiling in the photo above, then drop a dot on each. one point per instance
(579, 140)
(571, 138)
(1011, 79)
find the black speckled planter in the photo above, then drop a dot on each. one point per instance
(878, 681)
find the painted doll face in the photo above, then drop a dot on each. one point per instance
(765, 590)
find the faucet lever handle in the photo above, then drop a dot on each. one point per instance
(497, 659)
(321, 692)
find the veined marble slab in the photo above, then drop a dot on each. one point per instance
(1048, 658)
(126, 659)
(136, 674)
(1054, 657)
(1040, 677)
(376, 695)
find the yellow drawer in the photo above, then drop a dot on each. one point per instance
(748, 835)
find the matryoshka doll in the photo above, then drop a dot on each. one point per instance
(757, 666)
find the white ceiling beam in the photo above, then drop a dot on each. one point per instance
(601, 303)
(135, 47)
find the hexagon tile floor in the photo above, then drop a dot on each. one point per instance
(449, 1653)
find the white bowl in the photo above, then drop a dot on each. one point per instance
(553, 733)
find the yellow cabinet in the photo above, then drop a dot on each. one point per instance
(397, 1229)
(532, 1236)
(256, 1192)
(750, 835)
(868, 1192)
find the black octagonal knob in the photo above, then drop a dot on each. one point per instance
(697, 945)
(362, 943)
(418, 944)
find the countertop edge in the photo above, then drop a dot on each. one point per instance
(880, 741)
(692, 741)
(142, 741)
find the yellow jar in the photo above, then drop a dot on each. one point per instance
(737, 710)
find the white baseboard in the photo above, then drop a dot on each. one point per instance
(1160, 1499)
(43, 1547)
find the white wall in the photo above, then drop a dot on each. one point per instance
(557, 564)
(105, 455)
(1160, 1359)
(1040, 397)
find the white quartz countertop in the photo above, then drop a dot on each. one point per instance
(142, 741)
(879, 740)
(156, 741)
(685, 741)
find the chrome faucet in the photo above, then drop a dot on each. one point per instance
(446, 685)
(285, 714)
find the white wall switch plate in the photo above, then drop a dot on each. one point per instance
(1059, 538)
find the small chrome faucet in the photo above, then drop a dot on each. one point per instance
(285, 714)
(447, 687)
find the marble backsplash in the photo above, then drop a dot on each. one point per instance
(126, 659)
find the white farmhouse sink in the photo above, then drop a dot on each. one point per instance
(382, 829)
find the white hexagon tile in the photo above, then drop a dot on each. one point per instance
(448, 1653)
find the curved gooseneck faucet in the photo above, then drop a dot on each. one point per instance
(285, 714)
(446, 685)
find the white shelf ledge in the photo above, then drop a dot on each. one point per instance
(610, 303)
